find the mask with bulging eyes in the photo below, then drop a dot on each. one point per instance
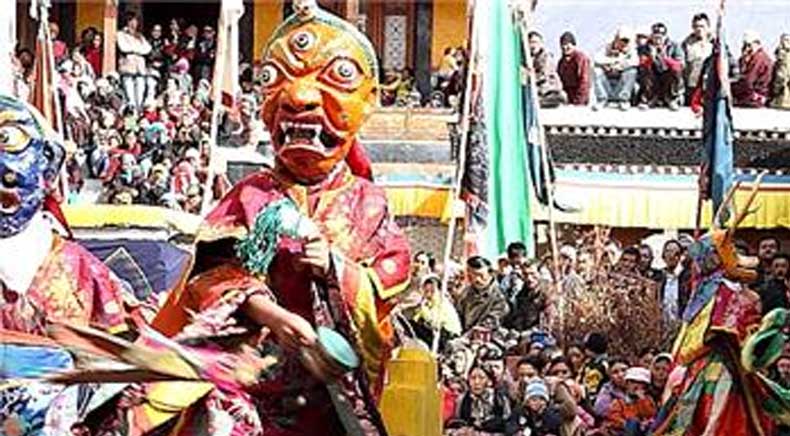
(319, 78)
(30, 159)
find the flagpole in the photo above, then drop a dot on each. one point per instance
(704, 181)
(526, 10)
(465, 115)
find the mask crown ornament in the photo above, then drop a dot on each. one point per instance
(716, 250)
(30, 159)
(320, 82)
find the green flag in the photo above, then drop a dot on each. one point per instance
(509, 216)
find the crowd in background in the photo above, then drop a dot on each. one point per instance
(647, 68)
(506, 366)
(142, 131)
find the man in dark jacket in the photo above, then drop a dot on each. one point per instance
(482, 299)
(753, 89)
(574, 70)
(662, 71)
(674, 286)
(530, 302)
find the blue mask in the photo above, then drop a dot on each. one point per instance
(29, 161)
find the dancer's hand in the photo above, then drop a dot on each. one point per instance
(294, 332)
(316, 253)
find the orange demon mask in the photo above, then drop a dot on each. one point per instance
(320, 82)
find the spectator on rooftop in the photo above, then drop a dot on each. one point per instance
(662, 78)
(481, 299)
(781, 82)
(697, 47)
(615, 71)
(574, 70)
(547, 82)
(753, 89)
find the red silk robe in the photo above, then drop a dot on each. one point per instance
(71, 285)
(369, 266)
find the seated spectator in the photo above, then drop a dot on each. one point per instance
(774, 288)
(449, 64)
(575, 356)
(612, 390)
(754, 86)
(781, 84)
(615, 71)
(481, 408)
(535, 416)
(547, 81)
(594, 373)
(435, 312)
(574, 70)
(662, 78)
(530, 302)
(697, 47)
(659, 374)
(511, 279)
(528, 369)
(631, 416)
(481, 298)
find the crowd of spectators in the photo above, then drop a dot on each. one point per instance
(142, 130)
(507, 370)
(646, 68)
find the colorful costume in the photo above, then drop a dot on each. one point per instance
(720, 349)
(43, 278)
(319, 75)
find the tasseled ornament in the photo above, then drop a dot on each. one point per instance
(280, 218)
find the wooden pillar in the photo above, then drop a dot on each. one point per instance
(109, 28)
(352, 11)
(423, 21)
(376, 26)
(246, 30)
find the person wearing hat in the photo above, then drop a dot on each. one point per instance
(547, 408)
(659, 374)
(632, 414)
(574, 70)
(781, 84)
(662, 71)
(753, 89)
(615, 71)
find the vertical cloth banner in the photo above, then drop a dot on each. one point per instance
(717, 129)
(496, 180)
(225, 85)
(226, 65)
(44, 85)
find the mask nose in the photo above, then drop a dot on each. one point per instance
(301, 96)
